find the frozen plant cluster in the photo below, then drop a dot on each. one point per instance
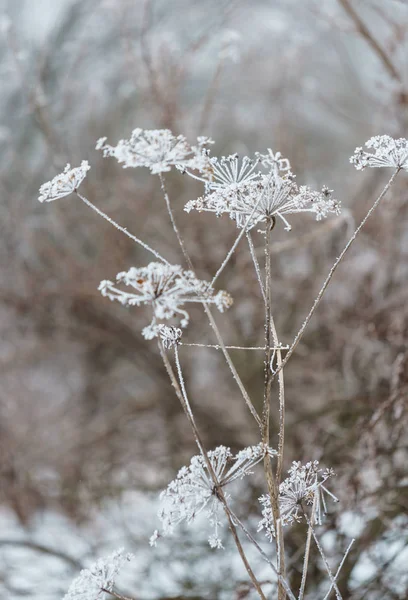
(386, 152)
(166, 288)
(65, 183)
(158, 150)
(194, 489)
(252, 192)
(304, 486)
(251, 197)
(98, 581)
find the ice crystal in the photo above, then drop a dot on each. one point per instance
(170, 336)
(304, 486)
(158, 150)
(93, 583)
(387, 152)
(194, 490)
(226, 175)
(276, 162)
(64, 184)
(271, 196)
(166, 288)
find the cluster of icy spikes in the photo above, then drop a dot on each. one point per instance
(158, 150)
(387, 152)
(64, 184)
(170, 336)
(305, 485)
(265, 198)
(166, 288)
(194, 491)
(93, 583)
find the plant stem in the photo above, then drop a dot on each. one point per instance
(173, 221)
(316, 303)
(181, 392)
(122, 229)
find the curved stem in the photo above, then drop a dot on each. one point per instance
(173, 221)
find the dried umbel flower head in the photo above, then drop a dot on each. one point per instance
(387, 152)
(264, 199)
(166, 288)
(158, 150)
(193, 490)
(64, 184)
(275, 162)
(93, 583)
(304, 487)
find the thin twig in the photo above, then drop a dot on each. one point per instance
(182, 395)
(116, 595)
(281, 381)
(339, 569)
(316, 303)
(256, 265)
(122, 229)
(307, 554)
(218, 347)
(173, 221)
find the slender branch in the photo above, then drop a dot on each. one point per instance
(339, 569)
(122, 229)
(316, 303)
(189, 414)
(272, 486)
(281, 381)
(173, 221)
(256, 265)
(307, 553)
(322, 554)
(218, 347)
(116, 595)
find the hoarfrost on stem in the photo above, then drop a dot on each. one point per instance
(304, 485)
(387, 152)
(194, 490)
(166, 288)
(64, 184)
(158, 150)
(93, 583)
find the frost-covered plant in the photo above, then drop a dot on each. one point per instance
(304, 487)
(64, 184)
(98, 581)
(194, 490)
(158, 150)
(264, 199)
(252, 191)
(386, 152)
(251, 197)
(166, 288)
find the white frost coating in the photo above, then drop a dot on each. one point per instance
(158, 150)
(93, 583)
(304, 484)
(64, 184)
(166, 288)
(386, 152)
(193, 490)
(238, 188)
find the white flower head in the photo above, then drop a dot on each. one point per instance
(170, 336)
(64, 184)
(387, 152)
(194, 491)
(157, 149)
(93, 583)
(264, 199)
(166, 288)
(304, 486)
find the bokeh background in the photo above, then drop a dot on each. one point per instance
(90, 429)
